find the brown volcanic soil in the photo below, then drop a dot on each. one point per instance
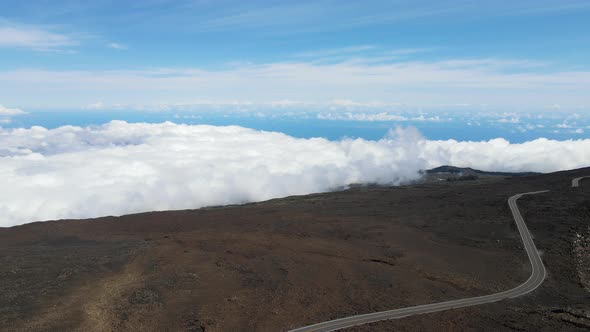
(290, 262)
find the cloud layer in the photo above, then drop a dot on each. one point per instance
(500, 83)
(119, 168)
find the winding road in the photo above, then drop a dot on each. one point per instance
(576, 181)
(538, 274)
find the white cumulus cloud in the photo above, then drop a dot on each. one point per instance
(509, 120)
(119, 168)
(383, 116)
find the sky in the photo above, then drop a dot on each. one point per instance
(115, 107)
(510, 55)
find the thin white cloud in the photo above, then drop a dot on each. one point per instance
(298, 107)
(97, 106)
(10, 111)
(35, 38)
(491, 63)
(264, 17)
(551, 6)
(117, 46)
(140, 167)
(409, 51)
(435, 118)
(308, 16)
(494, 83)
(335, 51)
(342, 51)
(359, 55)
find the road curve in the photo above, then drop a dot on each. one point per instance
(538, 273)
(576, 181)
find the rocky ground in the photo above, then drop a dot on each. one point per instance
(289, 262)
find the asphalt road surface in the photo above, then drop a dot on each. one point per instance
(576, 181)
(537, 276)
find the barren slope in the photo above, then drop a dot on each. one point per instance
(289, 262)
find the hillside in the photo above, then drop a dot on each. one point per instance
(289, 262)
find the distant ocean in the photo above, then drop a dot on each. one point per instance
(306, 126)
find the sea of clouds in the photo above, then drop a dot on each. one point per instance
(120, 168)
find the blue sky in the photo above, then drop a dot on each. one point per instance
(510, 55)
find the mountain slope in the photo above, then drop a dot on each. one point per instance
(289, 262)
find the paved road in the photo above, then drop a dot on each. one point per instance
(537, 276)
(576, 181)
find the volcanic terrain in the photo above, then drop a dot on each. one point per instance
(290, 262)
